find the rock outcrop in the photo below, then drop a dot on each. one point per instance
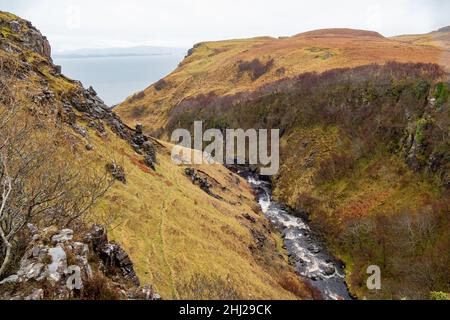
(31, 38)
(198, 180)
(95, 112)
(111, 254)
(56, 266)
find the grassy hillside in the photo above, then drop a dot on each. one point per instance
(174, 231)
(365, 148)
(183, 241)
(365, 154)
(439, 38)
(229, 67)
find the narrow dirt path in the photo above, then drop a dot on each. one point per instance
(163, 212)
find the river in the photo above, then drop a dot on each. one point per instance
(312, 261)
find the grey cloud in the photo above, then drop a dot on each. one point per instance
(71, 24)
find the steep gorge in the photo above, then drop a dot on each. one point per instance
(365, 139)
(180, 238)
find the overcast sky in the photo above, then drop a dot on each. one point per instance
(75, 24)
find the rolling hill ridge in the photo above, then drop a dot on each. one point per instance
(225, 68)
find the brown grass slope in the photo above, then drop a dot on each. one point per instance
(439, 38)
(175, 232)
(228, 67)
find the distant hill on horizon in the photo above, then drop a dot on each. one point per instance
(439, 38)
(119, 52)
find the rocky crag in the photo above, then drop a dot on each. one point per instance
(58, 267)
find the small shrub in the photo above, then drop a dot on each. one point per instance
(420, 131)
(137, 96)
(47, 259)
(160, 85)
(255, 67)
(306, 203)
(281, 71)
(98, 288)
(71, 258)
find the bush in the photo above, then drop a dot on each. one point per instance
(160, 85)
(306, 203)
(335, 167)
(138, 111)
(292, 284)
(421, 126)
(421, 89)
(441, 93)
(137, 96)
(255, 67)
(98, 288)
